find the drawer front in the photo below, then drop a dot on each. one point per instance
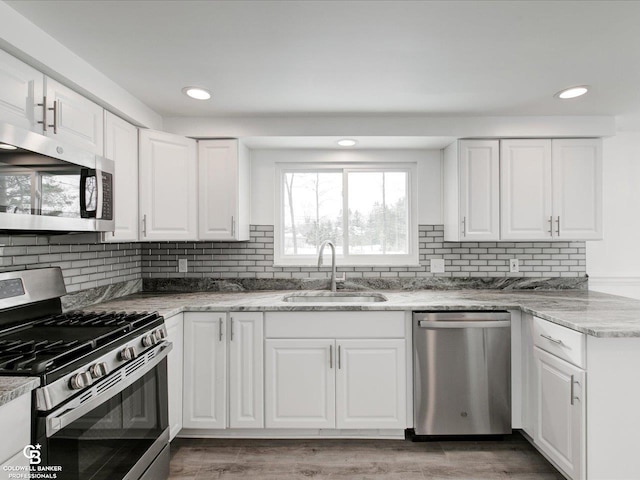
(334, 324)
(560, 341)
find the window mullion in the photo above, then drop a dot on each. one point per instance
(345, 213)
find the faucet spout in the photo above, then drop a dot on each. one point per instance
(333, 261)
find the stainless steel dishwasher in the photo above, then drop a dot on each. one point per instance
(462, 373)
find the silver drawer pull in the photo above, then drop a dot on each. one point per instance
(551, 339)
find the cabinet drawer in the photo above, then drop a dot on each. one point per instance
(560, 341)
(334, 324)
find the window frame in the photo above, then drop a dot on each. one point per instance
(409, 259)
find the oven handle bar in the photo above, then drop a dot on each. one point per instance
(75, 409)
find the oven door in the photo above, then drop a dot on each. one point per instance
(117, 429)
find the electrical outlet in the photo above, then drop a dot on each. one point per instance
(514, 265)
(183, 265)
(437, 265)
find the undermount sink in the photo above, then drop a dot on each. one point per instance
(331, 297)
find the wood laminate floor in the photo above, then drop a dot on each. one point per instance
(511, 458)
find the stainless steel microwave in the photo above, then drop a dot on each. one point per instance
(46, 186)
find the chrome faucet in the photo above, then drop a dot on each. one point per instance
(333, 261)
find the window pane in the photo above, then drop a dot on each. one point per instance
(15, 193)
(378, 213)
(312, 211)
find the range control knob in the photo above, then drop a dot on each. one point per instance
(80, 380)
(148, 340)
(162, 333)
(99, 370)
(128, 353)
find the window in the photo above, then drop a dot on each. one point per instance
(367, 211)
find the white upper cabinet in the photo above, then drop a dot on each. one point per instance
(73, 119)
(551, 189)
(525, 189)
(21, 89)
(472, 177)
(577, 189)
(168, 187)
(224, 178)
(121, 146)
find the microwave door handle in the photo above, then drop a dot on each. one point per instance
(73, 410)
(84, 174)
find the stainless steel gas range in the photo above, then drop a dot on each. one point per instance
(101, 410)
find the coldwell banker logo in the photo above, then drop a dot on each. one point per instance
(32, 452)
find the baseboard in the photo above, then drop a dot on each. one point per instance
(297, 433)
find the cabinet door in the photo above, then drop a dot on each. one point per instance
(219, 177)
(168, 187)
(479, 194)
(175, 368)
(75, 119)
(21, 89)
(371, 384)
(205, 367)
(525, 189)
(121, 146)
(300, 383)
(246, 375)
(577, 189)
(560, 419)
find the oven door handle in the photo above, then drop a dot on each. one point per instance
(107, 388)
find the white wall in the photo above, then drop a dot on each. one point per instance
(263, 176)
(613, 264)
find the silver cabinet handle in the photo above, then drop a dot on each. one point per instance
(220, 329)
(573, 382)
(233, 226)
(551, 339)
(464, 226)
(330, 356)
(144, 225)
(339, 358)
(44, 113)
(550, 226)
(558, 226)
(232, 329)
(55, 116)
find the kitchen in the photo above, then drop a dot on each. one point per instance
(322, 233)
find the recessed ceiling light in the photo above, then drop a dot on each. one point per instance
(197, 93)
(347, 142)
(572, 92)
(5, 146)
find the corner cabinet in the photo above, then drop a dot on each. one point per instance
(224, 185)
(121, 146)
(168, 187)
(551, 189)
(471, 186)
(335, 370)
(21, 89)
(223, 349)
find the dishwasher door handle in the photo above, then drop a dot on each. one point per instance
(463, 324)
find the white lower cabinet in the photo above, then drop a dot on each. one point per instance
(15, 418)
(175, 368)
(315, 379)
(371, 383)
(220, 349)
(560, 423)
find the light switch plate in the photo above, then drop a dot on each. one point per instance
(514, 265)
(183, 265)
(437, 265)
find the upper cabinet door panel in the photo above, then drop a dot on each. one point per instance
(76, 119)
(479, 189)
(168, 186)
(121, 146)
(21, 89)
(577, 189)
(525, 187)
(218, 177)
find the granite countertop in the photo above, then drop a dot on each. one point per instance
(14, 387)
(593, 313)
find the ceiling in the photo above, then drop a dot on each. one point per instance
(357, 57)
(363, 143)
